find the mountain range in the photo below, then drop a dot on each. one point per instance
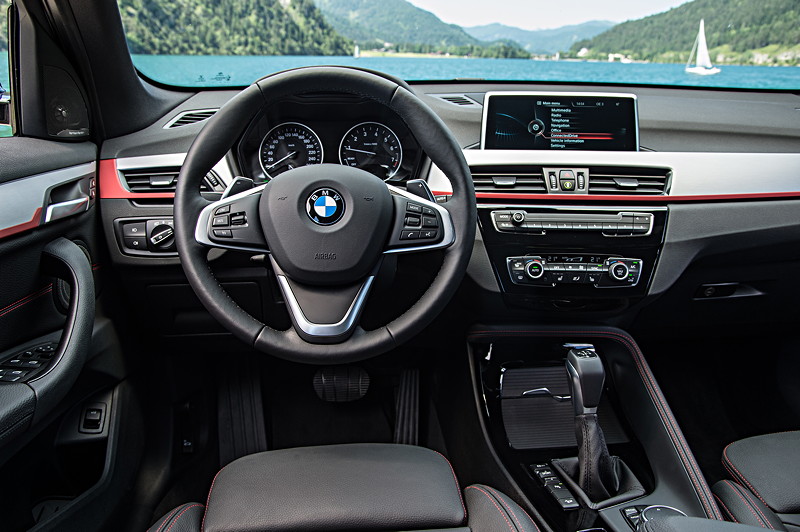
(547, 41)
(235, 27)
(737, 31)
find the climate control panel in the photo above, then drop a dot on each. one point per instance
(600, 271)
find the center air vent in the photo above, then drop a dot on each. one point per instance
(628, 180)
(461, 100)
(521, 179)
(165, 180)
(190, 117)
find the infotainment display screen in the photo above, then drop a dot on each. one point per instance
(560, 121)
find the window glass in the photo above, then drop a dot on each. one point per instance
(707, 43)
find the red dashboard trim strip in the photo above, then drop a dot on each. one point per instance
(629, 199)
(111, 187)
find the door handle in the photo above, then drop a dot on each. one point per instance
(62, 209)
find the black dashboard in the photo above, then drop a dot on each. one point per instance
(717, 177)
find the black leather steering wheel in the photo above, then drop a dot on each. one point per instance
(325, 228)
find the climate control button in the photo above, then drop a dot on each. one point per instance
(534, 269)
(619, 271)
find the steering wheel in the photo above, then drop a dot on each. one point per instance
(326, 228)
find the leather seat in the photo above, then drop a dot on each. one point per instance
(765, 486)
(366, 487)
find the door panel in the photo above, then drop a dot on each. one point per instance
(47, 250)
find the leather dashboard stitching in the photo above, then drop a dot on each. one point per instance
(736, 474)
(455, 478)
(511, 511)
(510, 526)
(25, 300)
(726, 509)
(181, 515)
(673, 430)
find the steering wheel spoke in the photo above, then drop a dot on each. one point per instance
(419, 224)
(233, 223)
(323, 314)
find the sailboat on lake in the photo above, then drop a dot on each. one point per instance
(703, 66)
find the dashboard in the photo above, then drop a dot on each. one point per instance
(648, 236)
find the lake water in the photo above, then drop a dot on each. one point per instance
(216, 71)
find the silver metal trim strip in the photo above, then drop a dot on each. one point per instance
(20, 199)
(324, 330)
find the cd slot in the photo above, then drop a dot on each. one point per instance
(608, 224)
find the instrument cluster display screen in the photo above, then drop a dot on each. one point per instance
(560, 121)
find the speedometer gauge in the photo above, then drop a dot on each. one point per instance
(288, 146)
(372, 147)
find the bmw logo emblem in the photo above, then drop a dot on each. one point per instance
(325, 206)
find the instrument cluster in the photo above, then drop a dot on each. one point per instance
(337, 129)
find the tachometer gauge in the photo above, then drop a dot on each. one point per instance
(372, 147)
(288, 146)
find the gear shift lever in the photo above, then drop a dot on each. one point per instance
(598, 472)
(587, 377)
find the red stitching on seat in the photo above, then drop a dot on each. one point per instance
(730, 514)
(455, 478)
(511, 510)
(25, 300)
(166, 519)
(208, 499)
(749, 497)
(726, 461)
(510, 527)
(746, 503)
(181, 514)
(681, 446)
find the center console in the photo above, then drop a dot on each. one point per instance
(560, 258)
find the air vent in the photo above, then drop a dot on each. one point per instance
(461, 100)
(520, 179)
(190, 117)
(628, 180)
(165, 180)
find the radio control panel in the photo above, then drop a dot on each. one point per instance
(600, 271)
(610, 224)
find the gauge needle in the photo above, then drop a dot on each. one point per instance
(279, 161)
(360, 151)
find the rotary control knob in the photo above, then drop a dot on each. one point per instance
(618, 271)
(518, 217)
(534, 269)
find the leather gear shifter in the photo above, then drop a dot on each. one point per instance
(598, 471)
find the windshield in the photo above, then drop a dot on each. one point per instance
(711, 43)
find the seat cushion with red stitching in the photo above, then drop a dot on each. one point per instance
(367, 487)
(336, 487)
(184, 518)
(768, 466)
(741, 506)
(491, 511)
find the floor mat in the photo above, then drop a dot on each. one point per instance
(299, 418)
